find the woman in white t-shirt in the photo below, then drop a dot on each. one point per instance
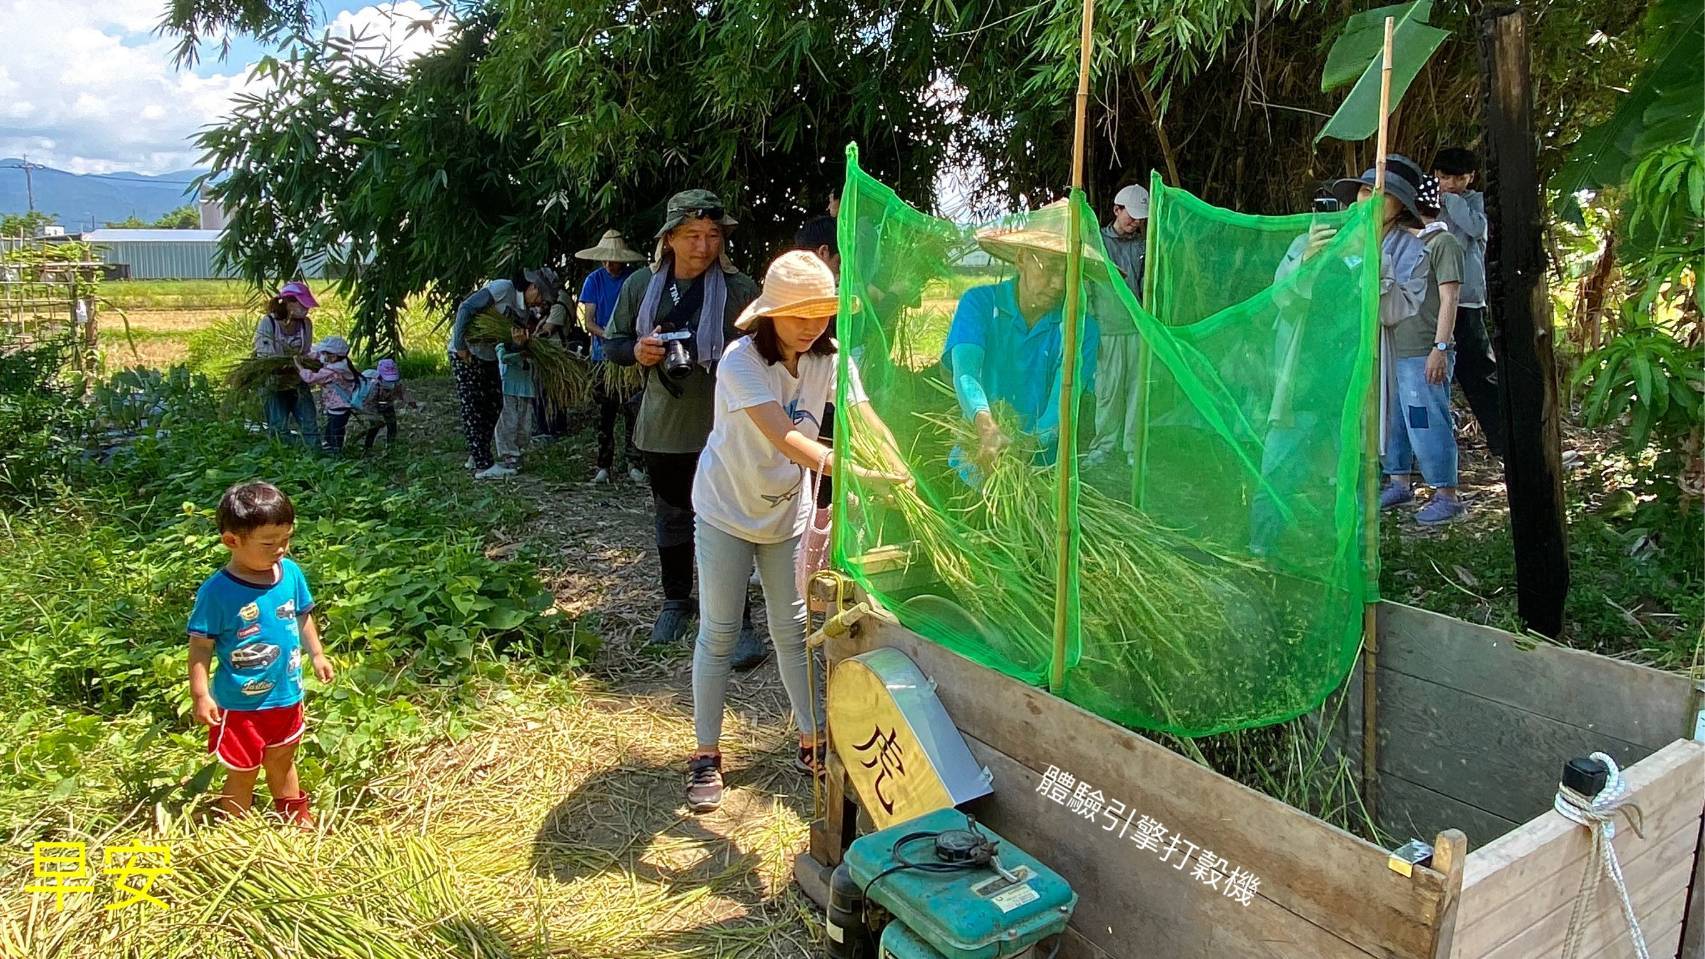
(751, 496)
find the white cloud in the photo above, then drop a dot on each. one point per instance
(86, 87)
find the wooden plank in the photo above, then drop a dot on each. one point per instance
(1308, 868)
(1131, 905)
(1450, 849)
(1075, 946)
(1484, 753)
(1603, 696)
(813, 879)
(1693, 923)
(1504, 876)
(1658, 897)
(1659, 942)
(1409, 810)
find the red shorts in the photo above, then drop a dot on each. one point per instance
(242, 736)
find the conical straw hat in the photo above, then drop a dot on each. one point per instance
(1044, 232)
(611, 248)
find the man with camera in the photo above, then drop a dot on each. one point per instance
(674, 319)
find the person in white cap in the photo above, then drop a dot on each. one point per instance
(751, 497)
(336, 380)
(1126, 235)
(1116, 393)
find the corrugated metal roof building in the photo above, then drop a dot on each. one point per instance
(160, 254)
(172, 254)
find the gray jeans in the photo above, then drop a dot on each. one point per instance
(725, 569)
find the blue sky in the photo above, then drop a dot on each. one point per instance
(86, 86)
(245, 50)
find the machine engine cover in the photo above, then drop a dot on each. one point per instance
(966, 914)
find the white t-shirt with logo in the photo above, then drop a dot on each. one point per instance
(746, 486)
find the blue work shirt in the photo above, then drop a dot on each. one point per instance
(1021, 363)
(601, 290)
(256, 637)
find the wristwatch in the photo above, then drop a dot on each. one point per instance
(1443, 346)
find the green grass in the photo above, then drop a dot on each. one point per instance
(180, 295)
(1636, 568)
(99, 563)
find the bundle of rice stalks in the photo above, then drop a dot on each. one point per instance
(617, 380)
(254, 373)
(1164, 617)
(1176, 632)
(561, 379)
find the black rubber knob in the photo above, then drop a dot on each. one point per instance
(1586, 776)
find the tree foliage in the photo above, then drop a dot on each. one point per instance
(536, 124)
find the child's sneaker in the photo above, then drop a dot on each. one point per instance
(1443, 509)
(636, 474)
(497, 471)
(1394, 495)
(602, 476)
(704, 783)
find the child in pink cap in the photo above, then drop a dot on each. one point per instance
(381, 392)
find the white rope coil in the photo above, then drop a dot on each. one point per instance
(1598, 815)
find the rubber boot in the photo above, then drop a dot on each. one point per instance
(295, 811)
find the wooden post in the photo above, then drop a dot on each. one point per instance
(1065, 463)
(1370, 492)
(1527, 374)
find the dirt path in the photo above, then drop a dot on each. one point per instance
(592, 777)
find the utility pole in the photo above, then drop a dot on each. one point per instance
(29, 179)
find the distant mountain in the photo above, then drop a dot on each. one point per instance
(82, 201)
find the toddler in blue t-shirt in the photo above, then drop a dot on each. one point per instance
(255, 615)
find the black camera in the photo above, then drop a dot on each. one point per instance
(678, 358)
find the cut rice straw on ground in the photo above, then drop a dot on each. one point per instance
(554, 830)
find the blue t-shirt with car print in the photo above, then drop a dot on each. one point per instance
(255, 634)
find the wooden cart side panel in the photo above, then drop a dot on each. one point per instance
(1607, 697)
(1693, 924)
(1657, 886)
(1313, 878)
(1475, 722)
(1131, 904)
(1519, 889)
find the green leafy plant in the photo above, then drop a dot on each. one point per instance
(1646, 375)
(102, 559)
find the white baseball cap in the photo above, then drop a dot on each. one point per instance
(1135, 200)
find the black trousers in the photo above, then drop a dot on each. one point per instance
(1477, 374)
(479, 391)
(609, 406)
(336, 424)
(671, 477)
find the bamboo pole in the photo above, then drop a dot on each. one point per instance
(1066, 462)
(1370, 495)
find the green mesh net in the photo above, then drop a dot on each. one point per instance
(1214, 446)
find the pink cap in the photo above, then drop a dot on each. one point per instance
(298, 291)
(388, 370)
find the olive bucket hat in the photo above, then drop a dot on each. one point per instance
(694, 205)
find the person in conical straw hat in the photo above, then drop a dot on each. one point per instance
(752, 497)
(597, 305)
(693, 295)
(1007, 339)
